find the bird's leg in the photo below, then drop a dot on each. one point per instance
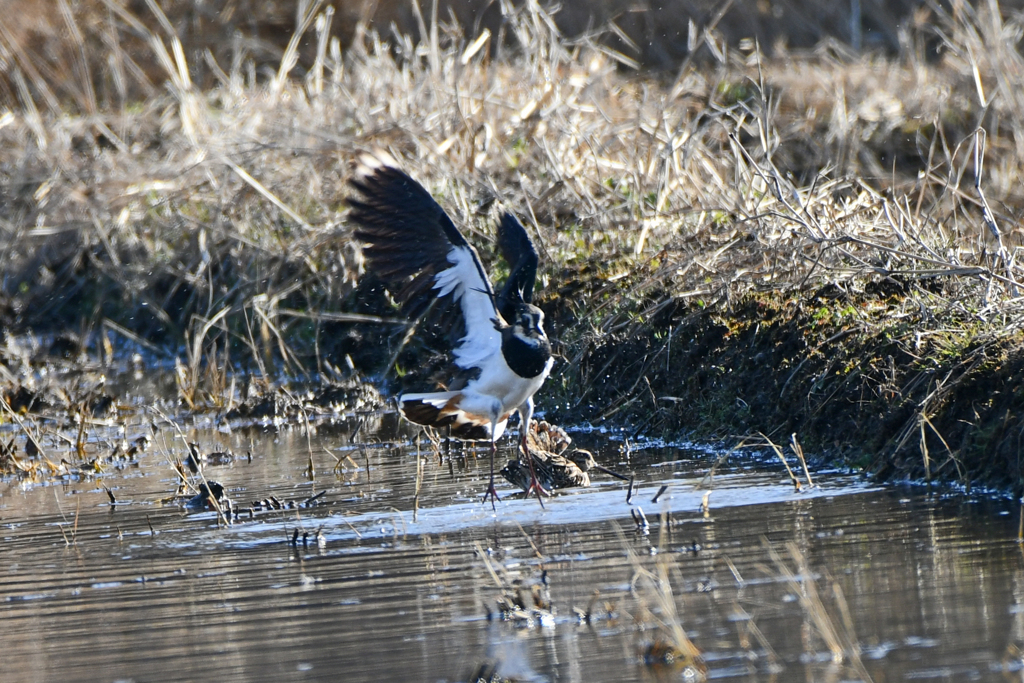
(491, 492)
(525, 413)
(535, 484)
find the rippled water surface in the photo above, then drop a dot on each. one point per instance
(402, 588)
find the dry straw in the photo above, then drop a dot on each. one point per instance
(749, 174)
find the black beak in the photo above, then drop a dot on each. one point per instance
(607, 471)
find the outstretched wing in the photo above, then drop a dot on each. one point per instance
(413, 246)
(518, 251)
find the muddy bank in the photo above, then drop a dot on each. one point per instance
(711, 253)
(902, 381)
(868, 377)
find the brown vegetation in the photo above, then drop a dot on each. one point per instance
(97, 54)
(773, 241)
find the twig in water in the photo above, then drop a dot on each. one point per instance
(74, 530)
(664, 487)
(339, 463)
(17, 418)
(842, 643)
(735, 572)
(655, 585)
(709, 477)
(419, 481)
(747, 622)
(1020, 528)
(640, 519)
(798, 449)
(778, 452)
(221, 517)
(310, 468)
(314, 498)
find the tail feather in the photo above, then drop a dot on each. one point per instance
(441, 410)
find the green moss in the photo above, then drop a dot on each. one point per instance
(772, 364)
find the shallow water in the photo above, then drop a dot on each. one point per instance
(145, 590)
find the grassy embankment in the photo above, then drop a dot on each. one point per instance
(784, 244)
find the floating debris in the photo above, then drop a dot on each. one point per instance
(527, 603)
(211, 496)
(271, 503)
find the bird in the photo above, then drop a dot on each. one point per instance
(551, 463)
(554, 465)
(556, 471)
(208, 491)
(502, 355)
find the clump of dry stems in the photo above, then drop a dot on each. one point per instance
(833, 626)
(747, 174)
(656, 606)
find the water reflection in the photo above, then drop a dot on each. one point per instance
(145, 591)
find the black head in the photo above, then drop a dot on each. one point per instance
(528, 321)
(524, 345)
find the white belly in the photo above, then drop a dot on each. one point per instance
(498, 388)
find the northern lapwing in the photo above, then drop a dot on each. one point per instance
(502, 355)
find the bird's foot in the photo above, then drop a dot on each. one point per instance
(491, 494)
(536, 486)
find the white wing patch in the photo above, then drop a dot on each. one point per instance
(465, 283)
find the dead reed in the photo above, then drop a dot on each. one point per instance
(749, 173)
(656, 606)
(754, 174)
(834, 630)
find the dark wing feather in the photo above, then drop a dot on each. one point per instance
(406, 235)
(411, 244)
(518, 251)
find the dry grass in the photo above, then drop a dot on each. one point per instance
(834, 627)
(77, 52)
(746, 174)
(657, 607)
